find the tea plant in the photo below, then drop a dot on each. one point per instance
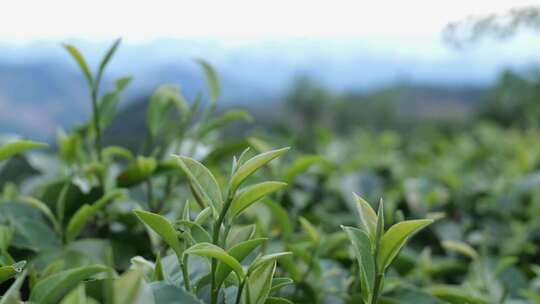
(225, 250)
(375, 249)
(170, 220)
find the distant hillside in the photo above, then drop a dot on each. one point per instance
(41, 88)
(408, 103)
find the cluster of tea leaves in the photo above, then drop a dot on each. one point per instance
(175, 222)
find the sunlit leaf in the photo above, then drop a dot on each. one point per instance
(16, 147)
(253, 164)
(259, 283)
(213, 251)
(74, 52)
(395, 238)
(252, 194)
(203, 183)
(162, 227)
(460, 247)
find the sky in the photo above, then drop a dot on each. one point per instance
(23, 22)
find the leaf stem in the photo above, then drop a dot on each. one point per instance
(215, 240)
(240, 289)
(185, 273)
(96, 119)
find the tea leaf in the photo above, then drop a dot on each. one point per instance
(203, 182)
(74, 52)
(105, 60)
(259, 283)
(368, 217)
(53, 288)
(7, 272)
(159, 274)
(164, 99)
(310, 230)
(364, 255)
(213, 251)
(83, 214)
(454, 295)
(278, 283)
(212, 80)
(162, 227)
(460, 247)
(197, 232)
(252, 194)
(41, 206)
(276, 300)
(395, 238)
(267, 258)
(169, 294)
(11, 296)
(252, 165)
(239, 251)
(300, 165)
(12, 148)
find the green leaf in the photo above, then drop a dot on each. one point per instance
(107, 108)
(162, 227)
(169, 294)
(203, 215)
(228, 117)
(41, 206)
(83, 214)
(12, 148)
(309, 229)
(460, 247)
(34, 235)
(11, 296)
(239, 234)
(213, 251)
(301, 165)
(364, 256)
(164, 99)
(76, 296)
(111, 151)
(278, 283)
(267, 258)
(212, 80)
(129, 288)
(239, 251)
(199, 234)
(252, 194)
(159, 273)
(276, 300)
(53, 288)
(8, 272)
(454, 294)
(281, 216)
(253, 165)
(259, 283)
(368, 217)
(123, 82)
(395, 238)
(203, 183)
(105, 60)
(74, 52)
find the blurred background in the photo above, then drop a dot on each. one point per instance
(338, 65)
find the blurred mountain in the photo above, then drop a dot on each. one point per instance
(41, 88)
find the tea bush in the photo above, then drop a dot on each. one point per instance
(177, 222)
